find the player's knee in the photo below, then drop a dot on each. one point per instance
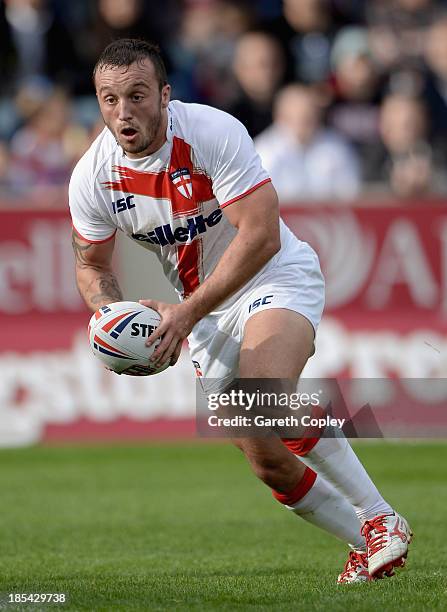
(275, 467)
(273, 472)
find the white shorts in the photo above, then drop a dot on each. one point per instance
(295, 283)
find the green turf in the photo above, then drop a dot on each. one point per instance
(187, 527)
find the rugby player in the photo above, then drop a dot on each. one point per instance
(184, 181)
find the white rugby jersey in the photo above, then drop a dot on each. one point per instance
(170, 202)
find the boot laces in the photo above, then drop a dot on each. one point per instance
(375, 534)
(355, 561)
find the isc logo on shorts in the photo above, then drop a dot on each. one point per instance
(260, 302)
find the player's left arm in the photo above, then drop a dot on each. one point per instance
(256, 218)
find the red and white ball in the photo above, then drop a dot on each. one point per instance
(118, 333)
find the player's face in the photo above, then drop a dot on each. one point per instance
(133, 107)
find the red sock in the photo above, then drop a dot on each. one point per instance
(299, 491)
(302, 446)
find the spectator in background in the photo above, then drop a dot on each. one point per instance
(408, 165)
(355, 88)
(201, 53)
(348, 12)
(305, 30)
(16, 110)
(112, 19)
(258, 66)
(45, 149)
(397, 30)
(34, 43)
(306, 160)
(5, 182)
(117, 19)
(436, 82)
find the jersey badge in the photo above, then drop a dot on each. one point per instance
(182, 180)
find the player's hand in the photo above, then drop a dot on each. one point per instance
(177, 321)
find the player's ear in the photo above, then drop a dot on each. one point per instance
(165, 95)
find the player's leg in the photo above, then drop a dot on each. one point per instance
(387, 534)
(302, 491)
(277, 344)
(283, 354)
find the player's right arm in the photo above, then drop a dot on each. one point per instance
(93, 235)
(95, 278)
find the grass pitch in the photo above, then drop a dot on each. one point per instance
(187, 527)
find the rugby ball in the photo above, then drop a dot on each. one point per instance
(118, 333)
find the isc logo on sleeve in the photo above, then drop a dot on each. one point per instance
(123, 204)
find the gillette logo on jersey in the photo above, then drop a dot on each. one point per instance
(167, 234)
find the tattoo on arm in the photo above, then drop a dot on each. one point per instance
(109, 290)
(97, 284)
(79, 250)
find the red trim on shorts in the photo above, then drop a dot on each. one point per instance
(246, 193)
(93, 241)
(302, 488)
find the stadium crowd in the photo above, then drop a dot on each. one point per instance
(346, 100)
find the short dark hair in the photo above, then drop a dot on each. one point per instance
(126, 51)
